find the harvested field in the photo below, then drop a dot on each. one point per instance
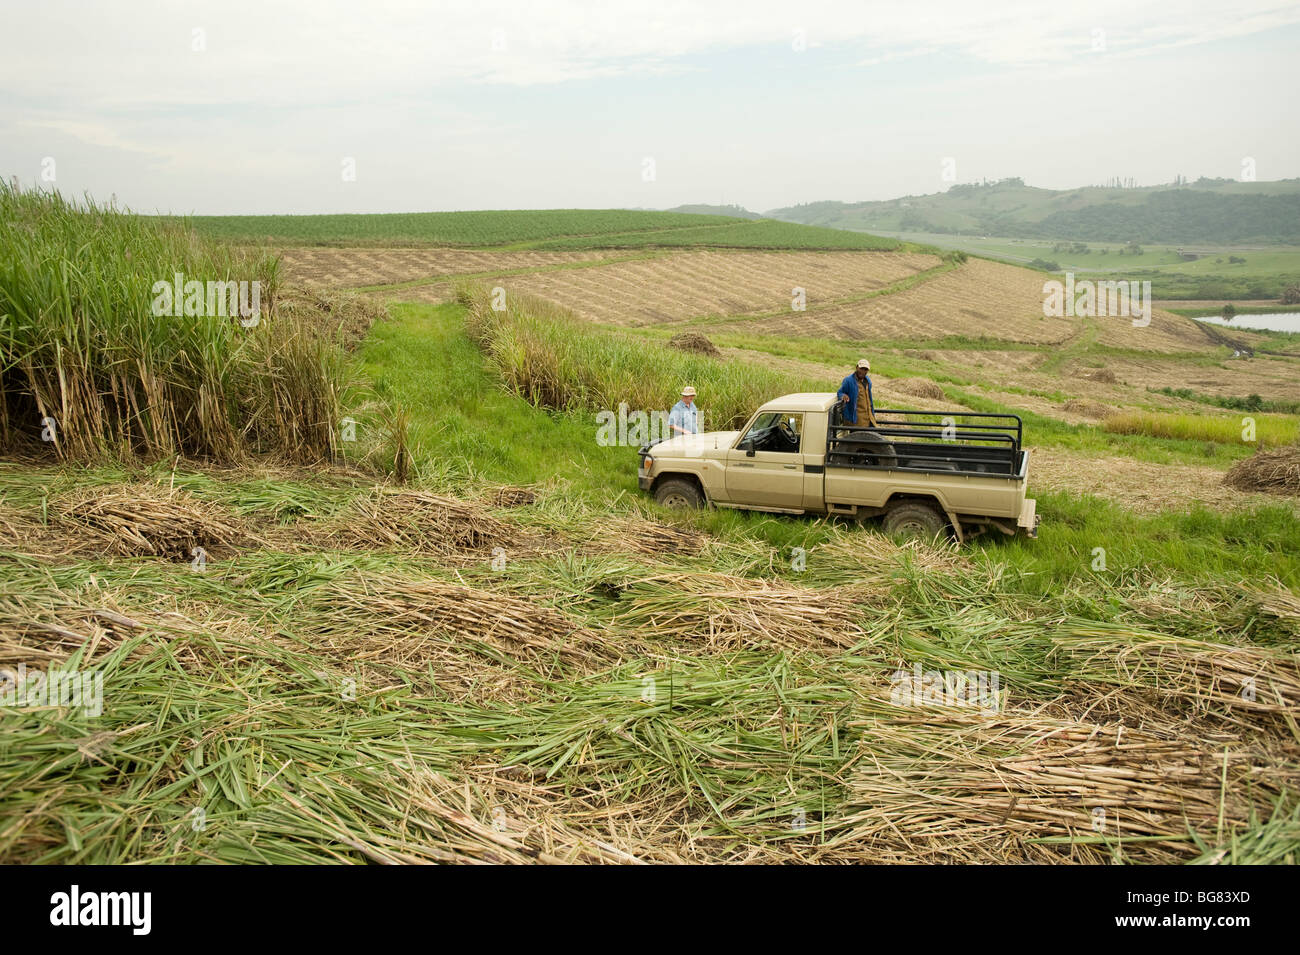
(919, 387)
(1139, 485)
(510, 496)
(1092, 410)
(1026, 785)
(1272, 472)
(148, 521)
(383, 613)
(694, 342)
(715, 612)
(978, 300)
(331, 311)
(687, 761)
(422, 522)
(353, 268)
(683, 715)
(685, 285)
(512, 655)
(651, 538)
(1269, 376)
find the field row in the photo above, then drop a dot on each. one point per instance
(543, 228)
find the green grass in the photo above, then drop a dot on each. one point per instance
(529, 229)
(1199, 545)
(1269, 430)
(466, 427)
(546, 355)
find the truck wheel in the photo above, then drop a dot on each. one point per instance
(914, 519)
(679, 495)
(882, 455)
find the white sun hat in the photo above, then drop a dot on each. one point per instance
(688, 392)
(863, 363)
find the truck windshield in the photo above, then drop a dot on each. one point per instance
(779, 431)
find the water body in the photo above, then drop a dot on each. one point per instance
(1276, 322)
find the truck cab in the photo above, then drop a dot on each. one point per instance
(927, 473)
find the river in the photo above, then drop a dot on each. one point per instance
(1276, 322)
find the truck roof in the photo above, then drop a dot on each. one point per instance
(802, 401)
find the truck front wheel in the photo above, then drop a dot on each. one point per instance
(914, 519)
(679, 495)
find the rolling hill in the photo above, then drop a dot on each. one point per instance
(1206, 211)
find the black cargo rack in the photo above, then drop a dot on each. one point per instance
(965, 442)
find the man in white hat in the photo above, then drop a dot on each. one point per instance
(684, 418)
(855, 396)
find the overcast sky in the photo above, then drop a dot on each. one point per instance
(257, 107)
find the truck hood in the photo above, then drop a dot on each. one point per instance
(695, 445)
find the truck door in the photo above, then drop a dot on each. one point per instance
(765, 467)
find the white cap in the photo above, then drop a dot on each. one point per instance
(688, 392)
(863, 363)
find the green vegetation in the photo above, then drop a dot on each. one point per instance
(1207, 211)
(759, 234)
(551, 359)
(1269, 430)
(1249, 403)
(89, 366)
(531, 229)
(356, 678)
(1215, 311)
(323, 704)
(465, 426)
(1174, 273)
(736, 212)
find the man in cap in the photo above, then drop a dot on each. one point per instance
(855, 396)
(684, 418)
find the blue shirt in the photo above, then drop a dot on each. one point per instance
(684, 416)
(849, 386)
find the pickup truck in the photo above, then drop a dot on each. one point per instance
(929, 473)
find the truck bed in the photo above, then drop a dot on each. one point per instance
(930, 442)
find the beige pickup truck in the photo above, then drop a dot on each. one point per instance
(928, 473)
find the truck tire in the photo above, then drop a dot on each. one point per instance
(679, 494)
(915, 519)
(882, 455)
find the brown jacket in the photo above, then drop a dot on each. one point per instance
(866, 419)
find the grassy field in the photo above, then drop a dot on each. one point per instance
(531, 229)
(665, 692)
(487, 645)
(1263, 272)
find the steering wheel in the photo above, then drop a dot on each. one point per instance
(788, 434)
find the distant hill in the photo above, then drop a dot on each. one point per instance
(736, 212)
(1205, 211)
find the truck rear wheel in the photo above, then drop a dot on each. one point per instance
(914, 519)
(678, 494)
